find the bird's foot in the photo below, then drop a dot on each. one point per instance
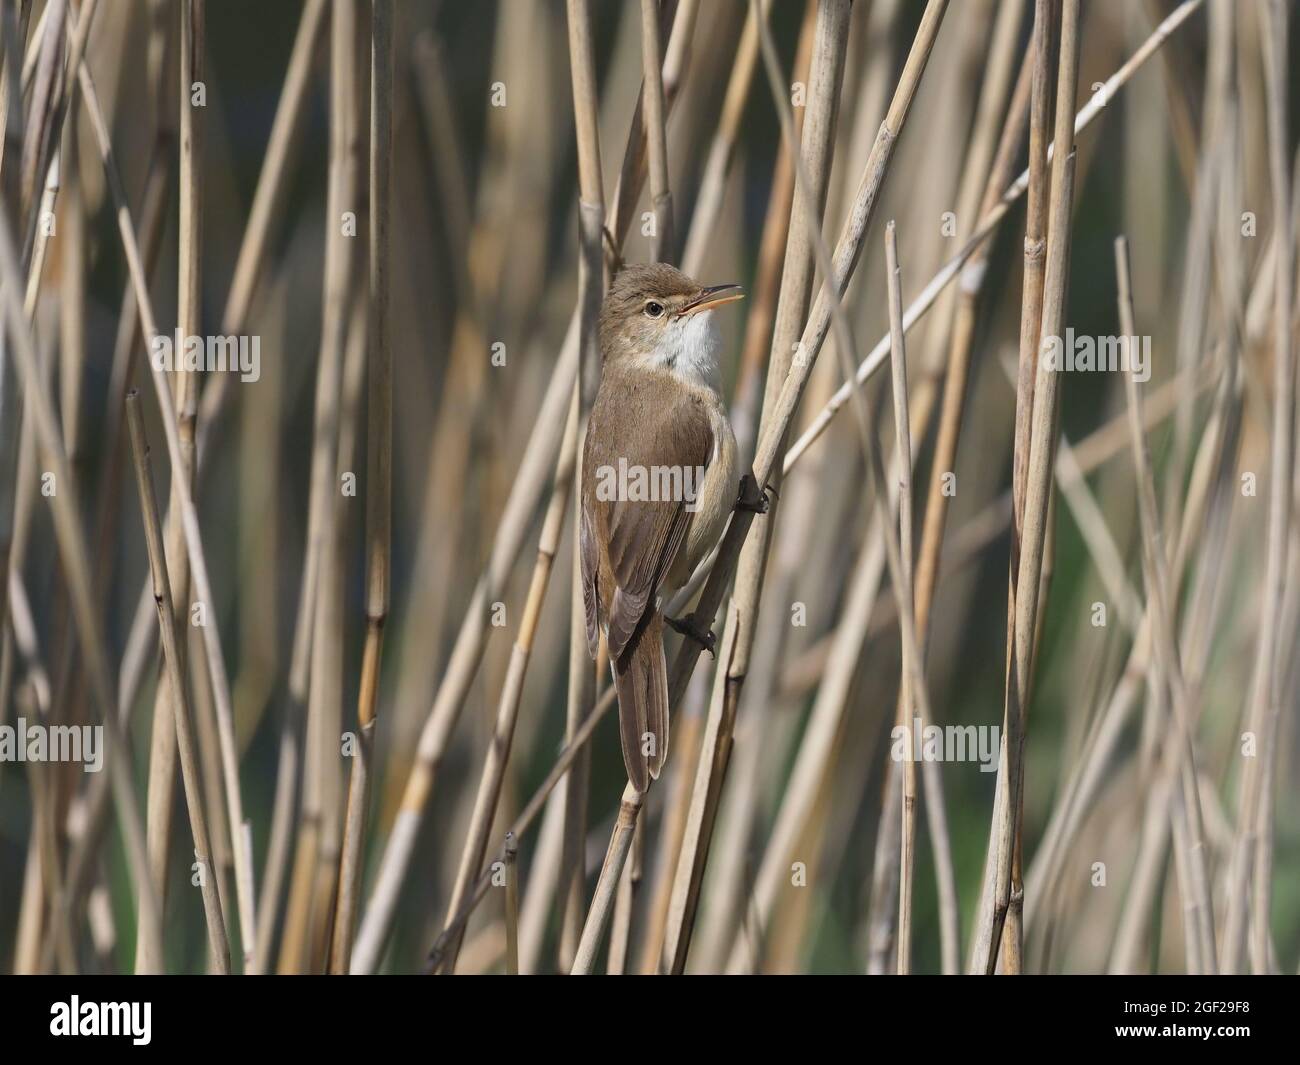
(690, 628)
(750, 498)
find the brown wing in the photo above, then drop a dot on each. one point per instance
(631, 542)
(589, 554)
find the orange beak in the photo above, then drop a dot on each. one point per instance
(713, 296)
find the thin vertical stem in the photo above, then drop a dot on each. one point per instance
(186, 738)
(908, 706)
(512, 904)
(662, 244)
(379, 480)
(1038, 492)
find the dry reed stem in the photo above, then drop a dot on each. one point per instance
(267, 204)
(218, 942)
(620, 932)
(10, 407)
(675, 809)
(591, 287)
(448, 479)
(15, 439)
(827, 70)
(311, 679)
(762, 299)
(14, 433)
(591, 197)
(72, 319)
(702, 813)
(1218, 445)
(988, 223)
(909, 702)
(1025, 591)
(602, 902)
(1046, 40)
(163, 752)
(516, 518)
(1100, 446)
(47, 118)
(816, 152)
(662, 246)
(1080, 792)
(44, 816)
(72, 551)
(583, 678)
(798, 802)
(99, 791)
(498, 274)
(512, 905)
(379, 480)
(524, 821)
(1203, 176)
(41, 134)
(1168, 658)
(189, 516)
(962, 330)
(544, 874)
(515, 521)
(632, 172)
(324, 803)
(837, 272)
(708, 198)
(52, 92)
(1096, 534)
(796, 574)
(993, 174)
(1252, 856)
(498, 753)
(268, 201)
(805, 789)
(126, 350)
(47, 114)
(12, 89)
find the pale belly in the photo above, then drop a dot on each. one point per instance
(717, 496)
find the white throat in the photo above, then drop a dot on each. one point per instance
(689, 348)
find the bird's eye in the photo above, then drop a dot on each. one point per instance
(653, 309)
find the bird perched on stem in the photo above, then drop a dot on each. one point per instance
(658, 482)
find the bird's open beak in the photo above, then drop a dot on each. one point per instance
(713, 296)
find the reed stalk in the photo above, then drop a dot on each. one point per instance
(185, 733)
(379, 480)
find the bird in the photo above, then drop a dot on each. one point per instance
(658, 484)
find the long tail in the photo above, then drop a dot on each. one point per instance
(641, 675)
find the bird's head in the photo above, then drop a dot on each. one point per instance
(657, 315)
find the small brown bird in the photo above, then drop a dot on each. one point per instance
(658, 482)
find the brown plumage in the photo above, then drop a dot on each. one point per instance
(657, 410)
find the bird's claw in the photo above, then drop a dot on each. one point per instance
(751, 499)
(689, 628)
